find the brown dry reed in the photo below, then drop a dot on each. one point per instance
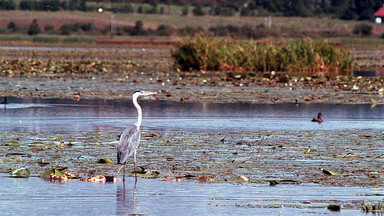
(295, 56)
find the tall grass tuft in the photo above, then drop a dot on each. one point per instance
(304, 56)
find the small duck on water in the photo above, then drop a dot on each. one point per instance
(318, 119)
(5, 101)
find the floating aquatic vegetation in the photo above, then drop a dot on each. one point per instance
(375, 174)
(273, 183)
(101, 179)
(12, 143)
(373, 208)
(97, 179)
(238, 179)
(176, 179)
(283, 181)
(105, 160)
(20, 173)
(58, 174)
(374, 103)
(140, 170)
(53, 177)
(204, 178)
(187, 148)
(328, 172)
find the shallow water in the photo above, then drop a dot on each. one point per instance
(67, 116)
(156, 197)
(34, 196)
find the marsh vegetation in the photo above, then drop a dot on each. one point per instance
(307, 56)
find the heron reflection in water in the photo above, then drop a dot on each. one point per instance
(130, 138)
(126, 201)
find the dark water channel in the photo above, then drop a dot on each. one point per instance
(67, 116)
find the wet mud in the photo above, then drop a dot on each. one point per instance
(112, 73)
(205, 88)
(354, 157)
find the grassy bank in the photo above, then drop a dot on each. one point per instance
(47, 39)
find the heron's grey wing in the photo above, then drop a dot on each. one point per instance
(129, 140)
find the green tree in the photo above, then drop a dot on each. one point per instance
(164, 30)
(362, 29)
(298, 8)
(365, 9)
(50, 5)
(7, 5)
(27, 5)
(72, 5)
(225, 11)
(83, 5)
(49, 28)
(245, 12)
(67, 28)
(198, 11)
(12, 26)
(34, 28)
(185, 11)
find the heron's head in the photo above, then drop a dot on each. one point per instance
(143, 93)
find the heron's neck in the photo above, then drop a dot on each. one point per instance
(139, 112)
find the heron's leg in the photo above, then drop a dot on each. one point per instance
(134, 165)
(119, 170)
(124, 173)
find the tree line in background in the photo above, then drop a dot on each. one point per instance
(231, 31)
(343, 9)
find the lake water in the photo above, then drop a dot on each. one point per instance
(34, 196)
(67, 116)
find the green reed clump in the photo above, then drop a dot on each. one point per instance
(196, 54)
(293, 56)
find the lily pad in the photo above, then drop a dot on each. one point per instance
(36, 144)
(238, 179)
(328, 172)
(105, 160)
(20, 173)
(273, 182)
(12, 143)
(150, 174)
(140, 170)
(57, 171)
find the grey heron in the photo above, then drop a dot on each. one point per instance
(130, 138)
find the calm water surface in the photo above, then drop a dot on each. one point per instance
(67, 116)
(34, 196)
